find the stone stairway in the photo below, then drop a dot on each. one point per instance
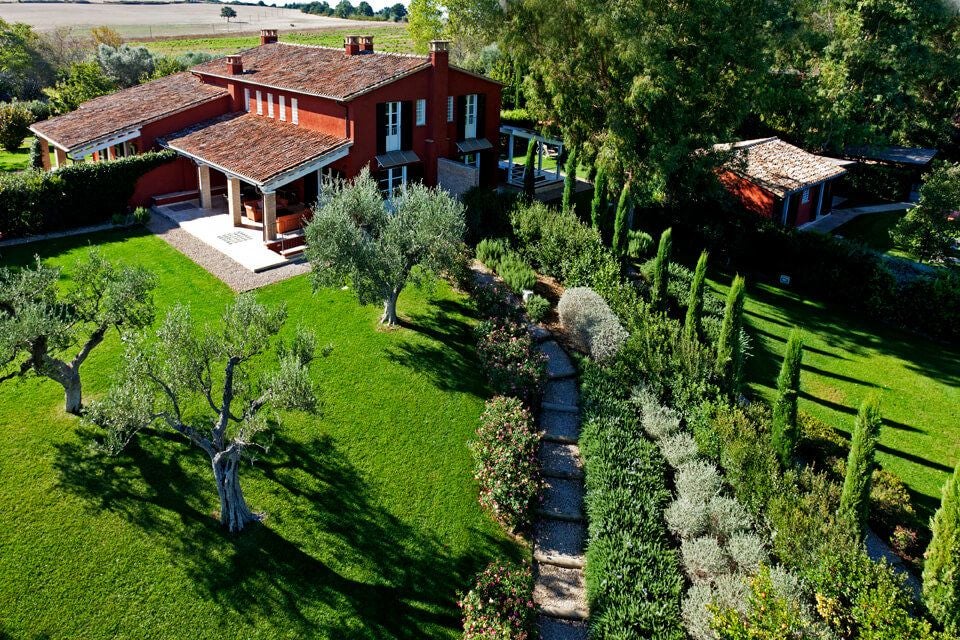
(560, 531)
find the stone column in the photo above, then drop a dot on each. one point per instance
(233, 200)
(203, 181)
(269, 216)
(60, 157)
(111, 153)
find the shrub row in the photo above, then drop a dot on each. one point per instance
(506, 464)
(500, 605)
(513, 365)
(633, 579)
(591, 322)
(33, 202)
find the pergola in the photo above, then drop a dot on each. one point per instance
(515, 171)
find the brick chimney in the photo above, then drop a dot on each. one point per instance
(440, 53)
(351, 45)
(268, 36)
(366, 44)
(234, 65)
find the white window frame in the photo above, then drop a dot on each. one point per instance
(294, 114)
(805, 197)
(259, 104)
(269, 105)
(449, 108)
(421, 112)
(283, 108)
(470, 116)
(395, 183)
(394, 136)
(246, 99)
(472, 159)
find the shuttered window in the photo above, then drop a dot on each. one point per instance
(283, 108)
(294, 115)
(259, 104)
(421, 112)
(246, 99)
(269, 105)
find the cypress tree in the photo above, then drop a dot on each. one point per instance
(620, 223)
(598, 206)
(529, 183)
(855, 499)
(729, 349)
(941, 569)
(570, 182)
(691, 325)
(661, 271)
(36, 154)
(784, 432)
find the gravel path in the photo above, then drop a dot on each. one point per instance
(230, 272)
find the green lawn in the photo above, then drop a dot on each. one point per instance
(844, 359)
(873, 230)
(372, 517)
(393, 39)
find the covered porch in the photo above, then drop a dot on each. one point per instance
(547, 170)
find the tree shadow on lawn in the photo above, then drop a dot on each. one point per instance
(449, 358)
(261, 576)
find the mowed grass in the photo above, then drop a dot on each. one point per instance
(846, 358)
(873, 230)
(19, 159)
(394, 39)
(372, 518)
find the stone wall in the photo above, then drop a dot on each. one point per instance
(456, 177)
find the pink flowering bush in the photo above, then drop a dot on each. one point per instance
(512, 364)
(505, 462)
(500, 605)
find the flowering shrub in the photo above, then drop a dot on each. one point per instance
(495, 302)
(505, 462)
(500, 604)
(512, 364)
(588, 318)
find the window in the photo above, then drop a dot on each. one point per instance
(806, 196)
(470, 116)
(449, 108)
(294, 116)
(393, 126)
(283, 108)
(269, 105)
(421, 112)
(246, 99)
(393, 181)
(472, 159)
(259, 104)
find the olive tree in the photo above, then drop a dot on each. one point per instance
(51, 334)
(379, 246)
(215, 386)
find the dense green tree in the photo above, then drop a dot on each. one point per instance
(599, 205)
(570, 182)
(692, 321)
(398, 11)
(24, 65)
(378, 247)
(15, 121)
(125, 65)
(661, 271)
(425, 20)
(855, 498)
(36, 154)
(215, 385)
(344, 9)
(784, 431)
(50, 333)
(228, 12)
(364, 9)
(926, 230)
(529, 170)
(81, 82)
(621, 224)
(941, 567)
(729, 347)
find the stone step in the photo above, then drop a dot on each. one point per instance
(559, 542)
(560, 629)
(562, 499)
(538, 333)
(564, 408)
(560, 460)
(561, 392)
(559, 364)
(559, 592)
(560, 426)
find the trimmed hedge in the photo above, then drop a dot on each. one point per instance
(33, 202)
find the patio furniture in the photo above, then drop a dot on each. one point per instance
(294, 220)
(253, 210)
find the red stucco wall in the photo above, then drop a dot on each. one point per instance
(753, 197)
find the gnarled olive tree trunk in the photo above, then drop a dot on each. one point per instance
(389, 316)
(234, 512)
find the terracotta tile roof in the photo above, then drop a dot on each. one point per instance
(777, 166)
(320, 71)
(127, 109)
(253, 147)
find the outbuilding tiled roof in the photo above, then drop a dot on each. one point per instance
(777, 166)
(320, 71)
(127, 109)
(252, 147)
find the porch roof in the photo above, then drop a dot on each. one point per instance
(263, 151)
(120, 115)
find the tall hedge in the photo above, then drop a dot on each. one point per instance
(783, 430)
(855, 499)
(33, 202)
(729, 349)
(570, 182)
(622, 221)
(661, 271)
(941, 569)
(529, 170)
(691, 324)
(598, 205)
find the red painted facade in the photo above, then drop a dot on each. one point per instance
(769, 205)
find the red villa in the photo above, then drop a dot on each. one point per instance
(266, 125)
(779, 181)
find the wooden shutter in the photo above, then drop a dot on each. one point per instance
(381, 128)
(461, 116)
(406, 125)
(482, 115)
